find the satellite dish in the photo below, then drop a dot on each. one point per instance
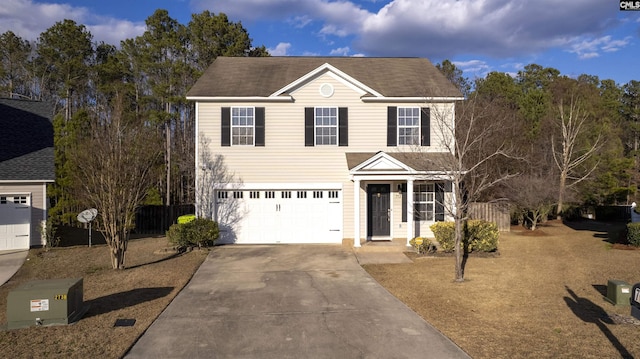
(87, 215)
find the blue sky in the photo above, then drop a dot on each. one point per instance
(479, 36)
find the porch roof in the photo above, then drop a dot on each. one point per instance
(418, 161)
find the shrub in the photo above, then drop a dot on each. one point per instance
(633, 234)
(445, 235)
(481, 236)
(199, 232)
(422, 245)
(478, 236)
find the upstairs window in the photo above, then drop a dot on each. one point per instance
(242, 121)
(242, 126)
(408, 126)
(326, 126)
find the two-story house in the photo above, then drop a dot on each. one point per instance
(324, 149)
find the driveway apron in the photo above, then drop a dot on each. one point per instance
(288, 301)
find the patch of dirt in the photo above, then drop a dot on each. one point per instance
(541, 297)
(153, 277)
(625, 247)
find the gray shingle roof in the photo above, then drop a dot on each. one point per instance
(262, 76)
(419, 161)
(26, 141)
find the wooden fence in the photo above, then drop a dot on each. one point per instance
(158, 219)
(497, 212)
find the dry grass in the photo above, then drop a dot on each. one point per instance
(541, 297)
(140, 292)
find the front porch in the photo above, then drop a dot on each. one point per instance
(395, 202)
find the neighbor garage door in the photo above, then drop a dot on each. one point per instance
(284, 216)
(15, 221)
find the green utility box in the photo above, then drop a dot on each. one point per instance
(618, 292)
(45, 302)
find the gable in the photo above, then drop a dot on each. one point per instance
(377, 162)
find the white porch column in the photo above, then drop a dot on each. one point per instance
(409, 210)
(356, 213)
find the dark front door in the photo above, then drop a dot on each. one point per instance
(379, 205)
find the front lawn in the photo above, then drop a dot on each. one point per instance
(542, 297)
(141, 293)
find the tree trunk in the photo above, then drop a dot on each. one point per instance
(118, 249)
(563, 181)
(457, 249)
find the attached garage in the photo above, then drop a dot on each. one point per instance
(15, 221)
(286, 215)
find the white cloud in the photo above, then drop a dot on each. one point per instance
(445, 28)
(473, 68)
(590, 48)
(437, 28)
(342, 51)
(28, 19)
(280, 49)
(300, 22)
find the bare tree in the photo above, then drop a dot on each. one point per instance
(481, 151)
(573, 151)
(113, 168)
(214, 177)
(533, 196)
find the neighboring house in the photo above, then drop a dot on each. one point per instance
(326, 149)
(26, 167)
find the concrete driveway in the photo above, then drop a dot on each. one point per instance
(288, 301)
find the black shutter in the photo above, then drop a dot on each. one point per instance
(439, 215)
(343, 126)
(425, 126)
(259, 125)
(403, 188)
(225, 133)
(309, 132)
(392, 126)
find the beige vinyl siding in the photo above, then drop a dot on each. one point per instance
(38, 208)
(286, 159)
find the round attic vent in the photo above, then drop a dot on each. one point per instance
(326, 90)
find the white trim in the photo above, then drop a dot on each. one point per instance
(253, 126)
(45, 213)
(410, 222)
(356, 213)
(315, 126)
(366, 210)
(283, 186)
(281, 98)
(27, 181)
(377, 158)
(410, 99)
(197, 157)
(400, 177)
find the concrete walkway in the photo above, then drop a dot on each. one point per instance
(10, 262)
(288, 301)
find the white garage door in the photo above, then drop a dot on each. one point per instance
(15, 221)
(284, 216)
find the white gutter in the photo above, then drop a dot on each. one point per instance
(411, 99)
(27, 181)
(240, 99)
